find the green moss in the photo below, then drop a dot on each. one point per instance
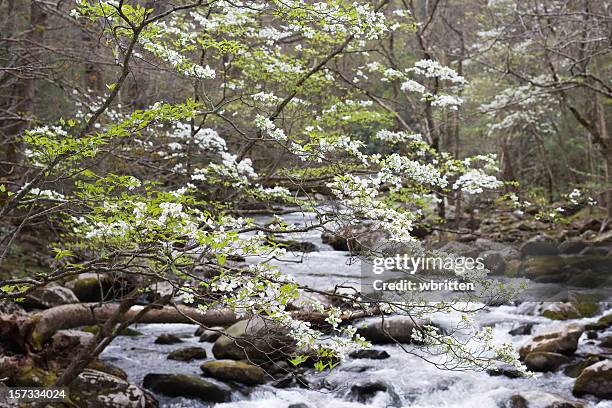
(85, 283)
(35, 377)
(561, 315)
(107, 368)
(587, 309)
(512, 268)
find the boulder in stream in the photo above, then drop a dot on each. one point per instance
(595, 380)
(543, 362)
(96, 389)
(540, 399)
(256, 340)
(539, 246)
(522, 329)
(572, 246)
(211, 335)
(168, 338)
(230, 370)
(393, 329)
(365, 391)
(48, 296)
(189, 386)
(293, 246)
(361, 237)
(370, 354)
(188, 354)
(563, 341)
(574, 369)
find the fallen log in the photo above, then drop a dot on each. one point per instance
(47, 322)
(30, 332)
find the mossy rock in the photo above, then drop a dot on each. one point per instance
(168, 338)
(32, 376)
(107, 368)
(603, 323)
(542, 361)
(512, 268)
(188, 354)
(256, 340)
(587, 309)
(570, 310)
(574, 369)
(576, 270)
(190, 386)
(595, 380)
(97, 389)
(541, 265)
(230, 370)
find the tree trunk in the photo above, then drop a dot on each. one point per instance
(24, 93)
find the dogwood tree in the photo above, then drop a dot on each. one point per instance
(153, 193)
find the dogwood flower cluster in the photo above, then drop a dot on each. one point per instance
(475, 181)
(398, 137)
(427, 69)
(519, 108)
(359, 196)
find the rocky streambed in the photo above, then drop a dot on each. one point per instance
(566, 341)
(566, 344)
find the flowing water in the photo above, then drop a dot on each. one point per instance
(411, 382)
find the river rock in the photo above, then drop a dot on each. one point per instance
(494, 262)
(370, 354)
(595, 380)
(595, 251)
(563, 341)
(294, 246)
(539, 246)
(361, 237)
(212, 334)
(108, 368)
(485, 244)
(95, 389)
(516, 401)
(560, 311)
(366, 391)
(168, 338)
(92, 287)
(48, 296)
(506, 370)
(574, 270)
(602, 323)
(574, 369)
(305, 302)
(189, 386)
(255, 340)
(572, 246)
(541, 361)
(540, 399)
(606, 342)
(459, 248)
(188, 354)
(393, 329)
(522, 329)
(9, 307)
(70, 341)
(230, 370)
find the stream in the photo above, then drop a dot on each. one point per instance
(411, 382)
